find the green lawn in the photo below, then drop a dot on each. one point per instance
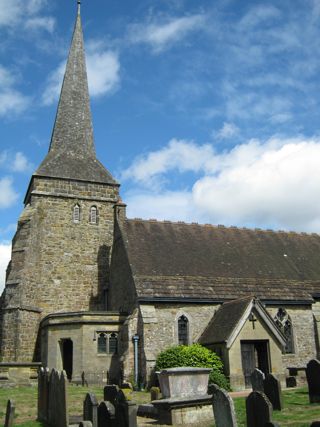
(297, 411)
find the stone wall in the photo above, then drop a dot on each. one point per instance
(57, 264)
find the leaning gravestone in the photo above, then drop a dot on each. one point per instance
(257, 378)
(9, 420)
(106, 415)
(223, 409)
(90, 409)
(259, 409)
(272, 389)
(313, 378)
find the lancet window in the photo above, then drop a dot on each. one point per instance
(284, 323)
(76, 213)
(107, 343)
(183, 330)
(93, 219)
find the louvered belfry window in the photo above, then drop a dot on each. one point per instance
(93, 215)
(183, 330)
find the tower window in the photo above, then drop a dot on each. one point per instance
(183, 330)
(284, 323)
(76, 213)
(93, 215)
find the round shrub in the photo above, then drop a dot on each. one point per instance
(196, 356)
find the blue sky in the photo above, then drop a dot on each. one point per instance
(204, 110)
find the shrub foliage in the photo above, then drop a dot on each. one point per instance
(194, 355)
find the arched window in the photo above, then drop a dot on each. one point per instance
(183, 330)
(102, 342)
(76, 213)
(113, 343)
(93, 219)
(284, 323)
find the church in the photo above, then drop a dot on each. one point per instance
(97, 294)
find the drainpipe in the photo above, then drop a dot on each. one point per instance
(135, 340)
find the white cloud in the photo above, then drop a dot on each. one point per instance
(227, 131)
(274, 183)
(5, 255)
(11, 100)
(46, 23)
(8, 195)
(21, 163)
(161, 35)
(22, 12)
(258, 15)
(103, 68)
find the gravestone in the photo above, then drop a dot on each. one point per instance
(126, 412)
(90, 409)
(110, 393)
(291, 382)
(272, 389)
(315, 424)
(313, 378)
(9, 420)
(107, 415)
(271, 424)
(85, 424)
(43, 391)
(259, 409)
(257, 378)
(223, 409)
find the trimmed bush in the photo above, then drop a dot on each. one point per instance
(196, 356)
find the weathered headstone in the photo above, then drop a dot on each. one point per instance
(110, 393)
(212, 388)
(313, 378)
(106, 415)
(223, 409)
(58, 400)
(90, 409)
(291, 382)
(257, 378)
(9, 420)
(272, 389)
(85, 424)
(259, 409)
(43, 391)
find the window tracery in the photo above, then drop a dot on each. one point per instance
(284, 323)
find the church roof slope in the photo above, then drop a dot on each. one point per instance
(178, 259)
(72, 152)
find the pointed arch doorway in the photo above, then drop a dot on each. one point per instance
(67, 356)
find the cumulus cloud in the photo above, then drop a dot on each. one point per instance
(46, 23)
(273, 183)
(8, 195)
(161, 35)
(5, 255)
(21, 163)
(103, 67)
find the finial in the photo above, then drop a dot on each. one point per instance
(79, 4)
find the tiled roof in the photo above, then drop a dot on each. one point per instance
(200, 261)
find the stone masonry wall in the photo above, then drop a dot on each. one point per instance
(60, 265)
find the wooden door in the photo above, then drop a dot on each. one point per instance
(248, 361)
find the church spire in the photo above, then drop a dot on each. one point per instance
(72, 152)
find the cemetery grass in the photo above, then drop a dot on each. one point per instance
(297, 411)
(25, 399)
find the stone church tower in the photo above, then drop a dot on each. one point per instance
(61, 250)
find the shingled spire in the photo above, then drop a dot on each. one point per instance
(72, 152)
